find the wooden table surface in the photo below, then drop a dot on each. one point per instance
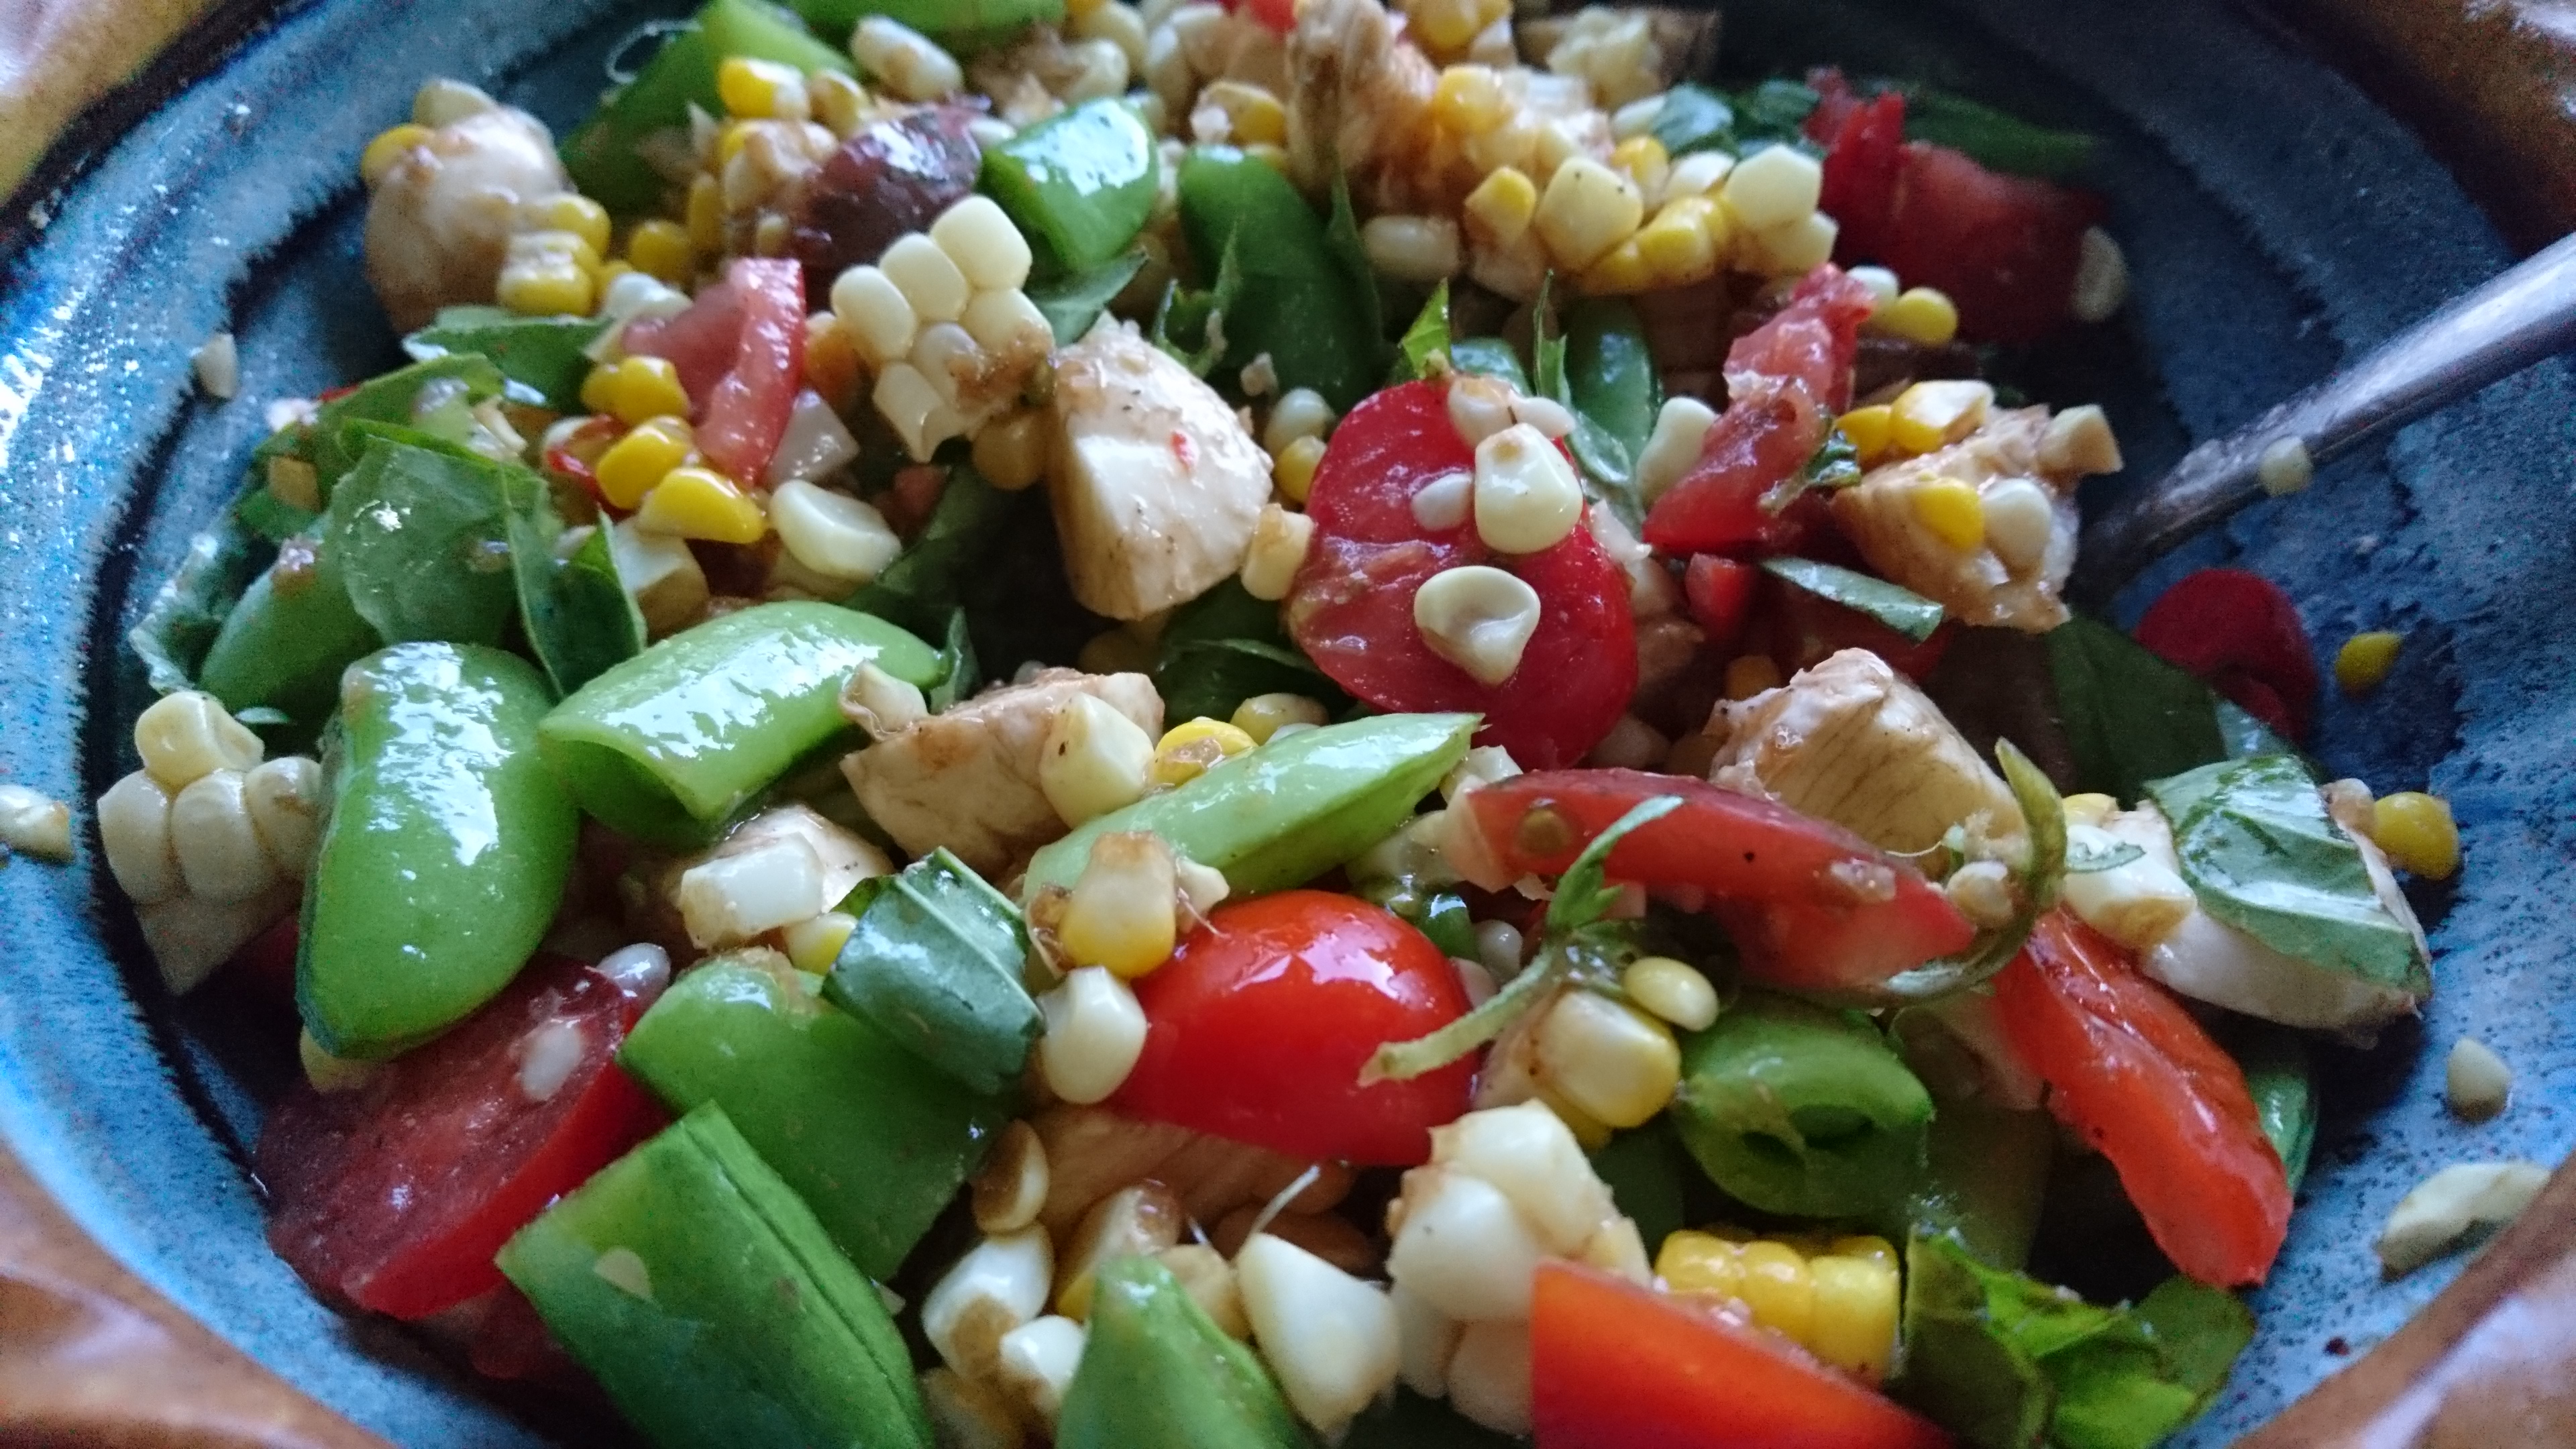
(89, 1356)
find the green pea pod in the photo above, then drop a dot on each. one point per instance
(1289, 811)
(934, 963)
(1157, 1373)
(604, 155)
(710, 1304)
(1985, 1175)
(1799, 1110)
(874, 1145)
(446, 852)
(960, 25)
(1082, 183)
(1296, 303)
(1610, 370)
(669, 744)
(286, 641)
(2278, 1073)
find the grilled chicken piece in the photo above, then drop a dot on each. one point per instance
(968, 779)
(1155, 483)
(1358, 96)
(1093, 1152)
(439, 221)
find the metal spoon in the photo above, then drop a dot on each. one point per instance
(2523, 316)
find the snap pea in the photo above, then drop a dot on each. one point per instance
(288, 638)
(1286, 812)
(1296, 303)
(1611, 372)
(709, 1303)
(1800, 1110)
(1157, 1373)
(667, 745)
(874, 1145)
(2283, 1083)
(446, 852)
(1082, 183)
(1985, 1174)
(1489, 357)
(960, 25)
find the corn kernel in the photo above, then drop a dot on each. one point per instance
(1253, 116)
(1952, 511)
(1012, 452)
(1750, 674)
(1864, 1246)
(1188, 750)
(549, 246)
(1795, 248)
(814, 943)
(1778, 1288)
(1586, 210)
(1121, 911)
(1671, 989)
(1919, 314)
(1677, 246)
(648, 388)
(1932, 415)
(641, 459)
(2365, 659)
(1094, 760)
(1645, 161)
(2418, 833)
(1870, 431)
(662, 250)
(1294, 472)
(1280, 540)
(1607, 1058)
(700, 503)
(1773, 187)
(706, 215)
(547, 289)
(1853, 1308)
(1622, 272)
(186, 736)
(572, 212)
(1502, 206)
(831, 361)
(1262, 715)
(763, 89)
(389, 147)
(1445, 26)
(1469, 100)
(599, 388)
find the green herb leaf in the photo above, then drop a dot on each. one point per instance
(2112, 856)
(2042, 879)
(1489, 357)
(1350, 254)
(1428, 335)
(2130, 717)
(2282, 1081)
(935, 961)
(1071, 304)
(187, 612)
(920, 589)
(1836, 464)
(1615, 392)
(959, 676)
(1440, 915)
(423, 544)
(2262, 855)
(544, 354)
(1898, 607)
(1694, 118)
(1190, 324)
(1774, 111)
(1583, 898)
(2002, 142)
(1547, 346)
(580, 620)
(332, 448)
(1226, 646)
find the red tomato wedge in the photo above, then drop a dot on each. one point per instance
(1351, 606)
(1812, 341)
(740, 352)
(1720, 594)
(2239, 633)
(1618, 1366)
(395, 1196)
(2128, 1068)
(1262, 1019)
(1864, 157)
(1812, 907)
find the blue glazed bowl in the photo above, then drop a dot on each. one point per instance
(2275, 221)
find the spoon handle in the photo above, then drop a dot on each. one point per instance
(2521, 317)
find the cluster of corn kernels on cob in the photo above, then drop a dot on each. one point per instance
(1834, 1297)
(943, 323)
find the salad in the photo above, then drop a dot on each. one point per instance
(1252, 725)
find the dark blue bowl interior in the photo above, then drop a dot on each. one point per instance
(2275, 221)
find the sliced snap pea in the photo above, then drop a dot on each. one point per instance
(289, 637)
(667, 745)
(1800, 1110)
(1157, 1373)
(446, 852)
(1083, 182)
(1985, 1173)
(1296, 303)
(960, 25)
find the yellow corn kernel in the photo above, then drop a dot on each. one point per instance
(1121, 913)
(1445, 27)
(2090, 808)
(648, 388)
(1503, 205)
(1750, 674)
(1696, 1262)
(572, 212)
(599, 388)
(1469, 100)
(1853, 1307)
(1871, 431)
(1585, 210)
(1012, 452)
(1836, 1299)
(1671, 989)
(636, 462)
(388, 148)
(1190, 749)
(1253, 116)
(2418, 833)
(1263, 715)
(1645, 161)
(1610, 1059)
(662, 250)
(1590, 1132)
(1677, 245)
(1932, 415)
(1865, 1246)
(706, 215)
(1920, 314)
(551, 288)
(1952, 511)
(2365, 659)
(609, 271)
(1621, 272)
(762, 89)
(1778, 1288)
(700, 503)
(547, 245)
(814, 943)
(1294, 471)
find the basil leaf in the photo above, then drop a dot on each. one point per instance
(1226, 646)
(2130, 717)
(1583, 897)
(423, 545)
(2282, 1081)
(960, 676)
(1428, 335)
(187, 612)
(1694, 118)
(1615, 392)
(580, 620)
(1071, 304)
(269, 516)
(1350, 254)
(920, 589)
(1188, 313)
(1995, 139)
(2262, 855)
(1489, 357)
(328, 445)
(2043, 879)
(935, 961)
(2111, 856)
(1776, 111)
(1898, 607)
(1835, 464)
(546, 354)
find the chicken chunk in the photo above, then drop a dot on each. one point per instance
(968, 779)
(1092, 1152)
(1854, 742)
(441, 217)
(2011, 576)
(1156, 484)
(1359, 97)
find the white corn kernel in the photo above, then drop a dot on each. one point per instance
(1489, 1376)
(1673, 449)
(284, 797)
(1673, 990)
(219, 852)
(1444, 502)
(1095, 760)
(1095, 1030)
(1632, 744)
(1421, 249)
(881, 704)
(905, 61)
(1793, 249)
(2445, 1208)
(1330, 1338)
(1463, 1248)
(816, 442)
(2475, 1081)
(1280, 540)
(1101, 69)
(1209, 1280)
(1203, 887)
(1000, 1284)
(33, 824)
(1120, 912)
(134, 826)
(1586, 210)
(833, 534)
(184, 735)
(2101, 278)
(2079, 441)
(1117, 22)
(1012, 1185)
(217, 363)
(732, 898)
(873, 311)
(1637, 117)
(1425, 1338)
(913, 409)
(932, 283)
(979, 237)
(1882, 284)
(1526, 496)
(1775, 186)
(1982, 890)
(1500, 949)
(1038, 1360)
(662, 573)
(1553, 419)
(1008, 323)
(1480, 407)
(189, 937)
(949, 359)
(1300, 413)
(1479, 618)
(2138, 902)
(1529, 1155)
(2021, 517)
(965, 1414)
(643, 969)
(2285, 467)
(441, 101)
(1700, 173)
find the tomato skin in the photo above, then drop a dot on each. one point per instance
(1769, 872)
(1807, 629)
(395, 1196)
(697, 341)
(2238, 632)
(1865, 156)
(1350, 607)
(1720, 594)
(740, 353)
(1614, 1365)
(1260, 1023)
(2130, 1069)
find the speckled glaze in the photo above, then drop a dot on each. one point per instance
(2276, 222)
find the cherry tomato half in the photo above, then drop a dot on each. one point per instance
(1262, 1019)
(740, 353)
(2241, 635)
